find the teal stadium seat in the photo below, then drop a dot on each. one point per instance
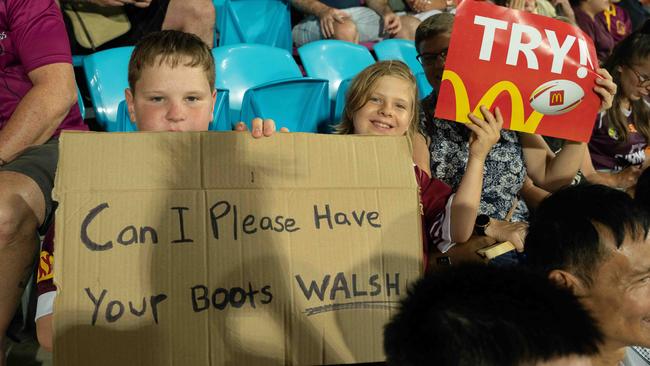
(254, 21)
(80, 102)
(106, 75)
(335, 61)
(404, 50)
(220, 119)
(266, 82)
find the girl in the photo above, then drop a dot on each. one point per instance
(620, 136)
(382, 100)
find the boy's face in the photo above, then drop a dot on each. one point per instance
(171, 99)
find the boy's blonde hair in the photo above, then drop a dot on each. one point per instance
(170, 47)
(363, 85)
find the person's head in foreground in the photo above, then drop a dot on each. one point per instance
(592, 240)
(171, 83)
(381, 100)
(477, 315)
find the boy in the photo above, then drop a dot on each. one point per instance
(171, 88)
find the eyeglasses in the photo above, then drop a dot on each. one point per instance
(644, 81)
(427, 59)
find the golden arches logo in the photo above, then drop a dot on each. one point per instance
(517, 121)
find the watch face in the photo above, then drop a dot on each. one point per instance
(482, 220)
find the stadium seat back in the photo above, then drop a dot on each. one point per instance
(243, 66)
(254, 21)
(106, 75)
(334, 61)
(301, 105)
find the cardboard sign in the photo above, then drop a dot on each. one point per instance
(539, 71)
(217, 249)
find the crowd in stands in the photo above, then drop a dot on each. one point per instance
(575, 290)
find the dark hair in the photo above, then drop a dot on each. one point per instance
(477, 315)
(634, 48)
(171, 47)
(563, 233)
(432, 26)
(642, 191)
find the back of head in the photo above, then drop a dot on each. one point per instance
(642, 191)
(432, 26)
(564, 234)
(171, 47)
(476, 315)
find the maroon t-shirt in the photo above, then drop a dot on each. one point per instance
(618, 22)
(32, 34)
(597, 30)
(610, 152)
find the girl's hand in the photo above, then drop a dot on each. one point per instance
(485, 132)
(605, 88)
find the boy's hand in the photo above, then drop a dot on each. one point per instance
(605, 88)
(485, 133)
(260, 127)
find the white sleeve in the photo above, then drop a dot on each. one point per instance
(440, 231)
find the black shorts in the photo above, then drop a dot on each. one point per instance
(39, 163)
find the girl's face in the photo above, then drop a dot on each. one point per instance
(388, 110)
(635, 79)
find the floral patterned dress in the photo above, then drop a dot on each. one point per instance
(504, 171)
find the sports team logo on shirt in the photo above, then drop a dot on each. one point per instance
(45, 267)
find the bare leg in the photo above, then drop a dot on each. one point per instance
(346, 31)
(195, 16)
(22, 208)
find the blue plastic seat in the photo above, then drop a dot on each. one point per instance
(80, 102)
(334, 61)
(246, 66)
(404, 50)
(301, 105)
(254, 21)
(106, 75)
(220, 121)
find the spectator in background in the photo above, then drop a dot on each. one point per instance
(346, 20)
(616, 154)
(513, 157)
(586, 12)
(472, 315)
(38, 99)
(618, 22)
(593, 240)
(195, 16)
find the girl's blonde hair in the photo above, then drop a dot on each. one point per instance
(363, 85)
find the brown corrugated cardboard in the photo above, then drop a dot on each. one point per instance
(218, 249)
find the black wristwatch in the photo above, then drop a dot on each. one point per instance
(482, 222)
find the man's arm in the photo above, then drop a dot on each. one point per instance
(380, 6)
(40, 111)
(311, 7)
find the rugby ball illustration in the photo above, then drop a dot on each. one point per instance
(556, 97)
